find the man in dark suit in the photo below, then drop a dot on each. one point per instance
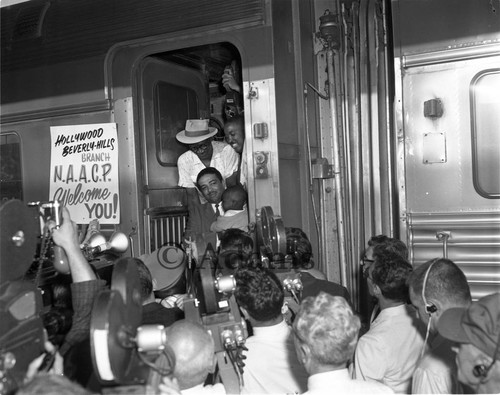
(152, 312)
(201, 215)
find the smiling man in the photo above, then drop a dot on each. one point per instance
(204, 152)
(201, 215)
(234, 130)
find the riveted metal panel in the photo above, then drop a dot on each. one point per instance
(473, 244)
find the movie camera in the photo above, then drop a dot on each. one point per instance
(29, 261)
(127, 354)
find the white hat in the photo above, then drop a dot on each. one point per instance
(167, 265)
(196, 130)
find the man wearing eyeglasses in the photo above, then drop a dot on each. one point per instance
(386, 243)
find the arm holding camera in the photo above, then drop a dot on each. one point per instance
(85, 286)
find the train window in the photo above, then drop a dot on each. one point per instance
(11, 183)
(485, 121)
(173, 105)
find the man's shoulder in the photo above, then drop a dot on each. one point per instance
(187, 156)
(313, 286)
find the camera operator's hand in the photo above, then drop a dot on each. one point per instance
(228, 80)
(36, 365)
(66, 236)
(169, 386)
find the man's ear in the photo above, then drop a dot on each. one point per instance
(304, 353)
(440, 306)
(376, 290)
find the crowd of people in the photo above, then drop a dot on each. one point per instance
(425, 334)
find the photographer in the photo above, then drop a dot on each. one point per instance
(85, 286)
(271, 365)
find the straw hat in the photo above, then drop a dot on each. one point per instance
(196, 131)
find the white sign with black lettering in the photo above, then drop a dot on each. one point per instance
(84, 171)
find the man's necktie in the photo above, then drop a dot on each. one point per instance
(217, 211)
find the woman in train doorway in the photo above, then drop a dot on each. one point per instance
(204, 152)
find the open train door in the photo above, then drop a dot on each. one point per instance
(169, 94)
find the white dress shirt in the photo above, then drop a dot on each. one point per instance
(271, 366)
(340, 382)
(216, 389)
(436, 372)
(224, 158)
(390, 350)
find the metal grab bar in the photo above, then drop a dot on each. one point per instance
(443, 236)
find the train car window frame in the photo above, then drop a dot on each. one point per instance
(485, 115)
(11, 172)
(166, 96)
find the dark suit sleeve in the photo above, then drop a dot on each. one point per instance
(200, 218)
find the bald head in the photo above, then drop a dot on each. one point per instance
(194, 353)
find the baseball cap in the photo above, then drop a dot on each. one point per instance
(479, 324)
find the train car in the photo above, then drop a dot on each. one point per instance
(361, 118)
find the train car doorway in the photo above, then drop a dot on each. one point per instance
(176, 86)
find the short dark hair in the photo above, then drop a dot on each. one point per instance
(238, 194)
(446, 281)
(299, 247)
(235, 239)
(390, 272)
(236, 120)
(209, 170)
(145, 279)
(260, 292)
(390, 244)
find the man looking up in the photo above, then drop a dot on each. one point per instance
(477, 330)
(326, 331)
(436, 286)
(390, 350)
(271, 365)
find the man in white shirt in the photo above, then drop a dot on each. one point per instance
(436, 286)
(390, 350)
(271, 365)
(204, 152)
(326, 331)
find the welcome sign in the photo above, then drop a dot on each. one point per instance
(84, 171)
